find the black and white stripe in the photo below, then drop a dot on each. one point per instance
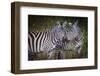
(46, 41)
(74, 38)
(37, 40)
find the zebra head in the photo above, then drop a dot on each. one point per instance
(72, 30)
(74, 37)
(59, 30)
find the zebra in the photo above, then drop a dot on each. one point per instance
(46, 41)
(74, 39)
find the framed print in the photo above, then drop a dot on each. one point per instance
(52, 37)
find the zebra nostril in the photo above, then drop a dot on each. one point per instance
(65, 40)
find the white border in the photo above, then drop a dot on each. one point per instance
(25, 64)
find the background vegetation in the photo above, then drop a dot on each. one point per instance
(41, 23)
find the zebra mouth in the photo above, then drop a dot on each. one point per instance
(58, 46)
(65, 40)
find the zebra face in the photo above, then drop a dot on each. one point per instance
(60, 30)
(72, 30)
(74, 38)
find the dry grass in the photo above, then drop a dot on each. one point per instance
(66, 55)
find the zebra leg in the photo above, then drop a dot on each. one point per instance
(56, 54)
(31, 56)
(62, 54)
(51, 54)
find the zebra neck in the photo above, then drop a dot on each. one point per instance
(49, 36)
(53, 38)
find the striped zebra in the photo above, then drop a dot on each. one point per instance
(46, 41)
(74, 38)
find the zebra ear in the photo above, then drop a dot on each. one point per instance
(65, 23)
(58, 24)
(76, 23)
(70, 23)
